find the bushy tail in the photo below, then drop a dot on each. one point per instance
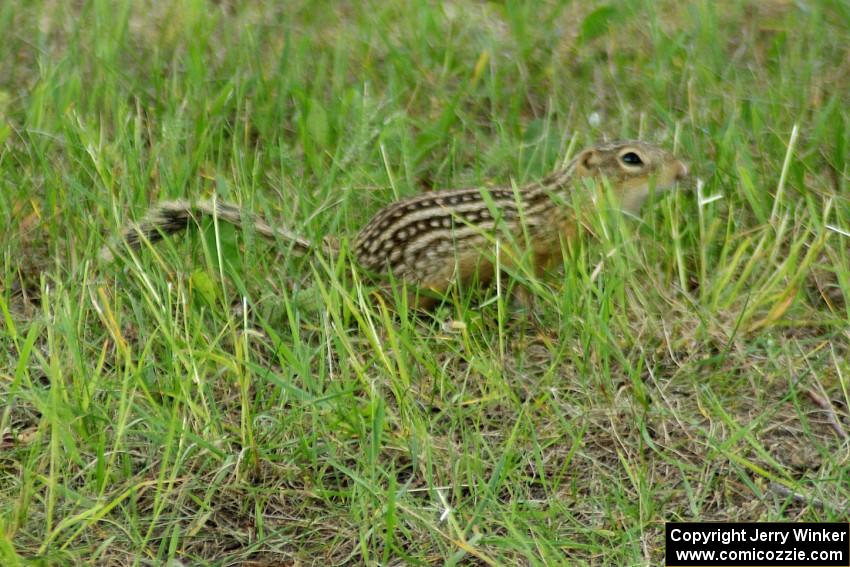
(171, 217)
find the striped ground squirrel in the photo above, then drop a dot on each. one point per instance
(431, 240)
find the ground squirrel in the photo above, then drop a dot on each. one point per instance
(433, 239)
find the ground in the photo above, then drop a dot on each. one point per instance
(219, 401)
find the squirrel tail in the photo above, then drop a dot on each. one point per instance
(171, 217)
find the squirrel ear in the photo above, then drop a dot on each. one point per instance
(587, 161)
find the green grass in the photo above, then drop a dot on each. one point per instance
(666, 373)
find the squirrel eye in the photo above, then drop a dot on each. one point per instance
(631, 158)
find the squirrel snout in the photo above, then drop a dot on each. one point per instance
(681, 170)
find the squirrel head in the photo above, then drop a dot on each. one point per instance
(632, 168)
